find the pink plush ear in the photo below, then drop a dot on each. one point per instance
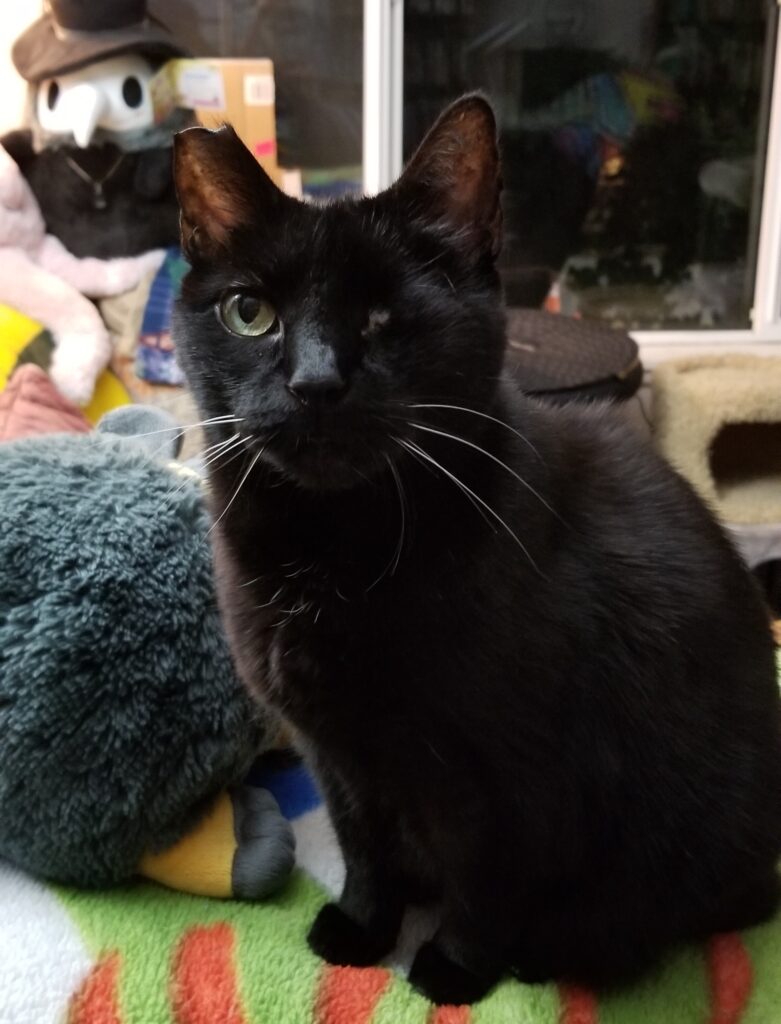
(221, 187)
(455, 173)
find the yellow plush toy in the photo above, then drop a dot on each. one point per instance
(23, 340)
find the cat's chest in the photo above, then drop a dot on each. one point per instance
(314, 638)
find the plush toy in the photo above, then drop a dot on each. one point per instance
(125, 731)
(97, 161)
(25, 342)
(41, 279)
(31, 405)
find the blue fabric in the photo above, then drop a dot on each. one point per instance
(291, 785)
(155, 355)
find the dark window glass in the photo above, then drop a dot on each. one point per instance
(634, 136)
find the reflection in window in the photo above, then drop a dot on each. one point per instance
(317, 50)
(633, 138)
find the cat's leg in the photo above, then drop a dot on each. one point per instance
(614, 934)
(470, 952)
(750, 901)
(362, 926)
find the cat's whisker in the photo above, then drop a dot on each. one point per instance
(183, 483)
(427, 466)
(475, 412)
(219, 444)
(182, 430)
(234, 444)
(214, 451)
(291, 613)
(187, 478)
(237, 441)
(431, 463)
(403, 507)
(299, 572)
(241, 483)
(393, 564)
(477, 448)
(272, 600)
(435, 752)
(476, 497)
(168, 497)
(230, 456)
(434, 259)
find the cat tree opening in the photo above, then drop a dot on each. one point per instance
(745, 465)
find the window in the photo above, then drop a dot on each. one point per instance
(316, 46)
(642, 165)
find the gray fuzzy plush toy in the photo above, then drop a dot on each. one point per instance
(124, 731)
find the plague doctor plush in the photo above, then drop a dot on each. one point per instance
(98, 164)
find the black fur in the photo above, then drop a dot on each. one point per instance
(574, 748)
(141, 211)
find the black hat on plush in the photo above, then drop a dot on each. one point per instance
(73, 33)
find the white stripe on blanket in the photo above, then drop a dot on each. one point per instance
(43, 959)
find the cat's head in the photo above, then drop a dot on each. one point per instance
(319, 326)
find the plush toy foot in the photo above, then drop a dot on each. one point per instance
(444, 982)
(266, 847)
(243, 848)
(341, 941)
(78, 360)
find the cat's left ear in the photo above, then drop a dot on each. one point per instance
(221, 187)
(455, 176)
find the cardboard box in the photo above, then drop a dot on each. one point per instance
(247, 102)
(238, 91)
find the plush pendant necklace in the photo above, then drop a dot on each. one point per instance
(98, 196)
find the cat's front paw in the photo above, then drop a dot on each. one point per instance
(338, 939)
(445, 982)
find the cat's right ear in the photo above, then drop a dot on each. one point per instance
(221, 187)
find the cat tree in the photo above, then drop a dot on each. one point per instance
(717, 419)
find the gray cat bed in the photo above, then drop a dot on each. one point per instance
(562, 359)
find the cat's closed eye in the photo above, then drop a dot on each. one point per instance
(377, 319)
(246, 314)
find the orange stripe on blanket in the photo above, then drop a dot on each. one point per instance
(578, 1006)
(349, 995)
(450, 1015)
(731, 978)
(96, 1000)
(204, 986)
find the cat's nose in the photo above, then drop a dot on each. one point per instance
(314, 374)
(324, 385)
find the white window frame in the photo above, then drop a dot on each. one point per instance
(383, 94)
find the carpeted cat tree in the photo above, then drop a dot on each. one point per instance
(717, 419)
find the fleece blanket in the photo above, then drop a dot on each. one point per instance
(141, 954)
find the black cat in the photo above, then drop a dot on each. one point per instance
(533, 678)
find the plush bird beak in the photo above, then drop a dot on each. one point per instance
(83, 107)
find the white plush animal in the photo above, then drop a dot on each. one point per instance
(40, 278)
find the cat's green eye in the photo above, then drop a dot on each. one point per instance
(246, 314)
